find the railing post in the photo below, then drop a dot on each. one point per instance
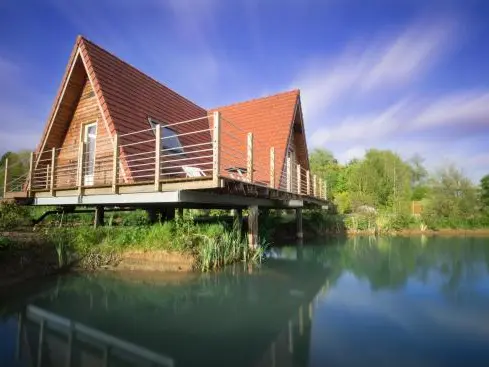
(272, 167)
(289, 175)
(5, 178)
(249, 165)
(157, 157)
(48, 174)
(31, 174)
(216, 148)
(53, 171)
(325, 192)
(81, 155)
(115, 165)
(320, 187)
(299, 179)
(308, 182)
(314, 185)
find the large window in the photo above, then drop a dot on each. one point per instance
(169, 138)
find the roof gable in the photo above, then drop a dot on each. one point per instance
(271, 120)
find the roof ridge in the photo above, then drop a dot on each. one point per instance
(81, 38)
(296, 91)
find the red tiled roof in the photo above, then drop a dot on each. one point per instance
(270, 120)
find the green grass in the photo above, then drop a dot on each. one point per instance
(212, 245)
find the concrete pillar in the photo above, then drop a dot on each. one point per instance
(298, 218)
(99, 216)
(253, 226)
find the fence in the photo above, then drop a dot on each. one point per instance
(205, 148)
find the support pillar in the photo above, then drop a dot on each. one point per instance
(238, 218)
(152, 215)
(99, 216)
(253, 226)
(298, 218)
(180, 213)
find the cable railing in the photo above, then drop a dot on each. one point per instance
(206, 148)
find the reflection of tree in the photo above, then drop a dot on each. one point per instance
(388, 262)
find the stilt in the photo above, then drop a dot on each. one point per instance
(180, 213)
(170, 213)
(152, 215)
(253, 226)
(298, 217)
(99, 216)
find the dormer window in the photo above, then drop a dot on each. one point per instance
(169, 138)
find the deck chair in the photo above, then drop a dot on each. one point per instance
(193, 171)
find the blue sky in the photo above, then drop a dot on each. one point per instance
(407, 75)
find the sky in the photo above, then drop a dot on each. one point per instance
(407, 75)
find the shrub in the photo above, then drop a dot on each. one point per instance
(13, 216)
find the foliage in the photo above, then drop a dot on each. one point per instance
(12, 216)
(212, 245)
(386, 184)
(18, 165)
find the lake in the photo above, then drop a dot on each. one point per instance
(420, 301)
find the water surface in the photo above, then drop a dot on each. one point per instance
(357, 302)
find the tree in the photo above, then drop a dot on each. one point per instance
(18, 164)
(484, 194)
(324, 165)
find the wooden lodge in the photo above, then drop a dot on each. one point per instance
(115, 136)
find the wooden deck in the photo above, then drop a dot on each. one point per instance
(136, 169)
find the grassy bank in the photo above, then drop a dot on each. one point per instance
(212, 245)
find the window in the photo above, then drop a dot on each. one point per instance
(169, 138)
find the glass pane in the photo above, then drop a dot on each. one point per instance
(170, 140)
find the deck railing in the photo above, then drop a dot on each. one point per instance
(209, 148)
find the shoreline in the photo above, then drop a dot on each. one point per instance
(34, 259)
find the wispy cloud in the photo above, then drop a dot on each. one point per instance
(390, 62)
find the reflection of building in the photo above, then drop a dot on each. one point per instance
(292, 343)
(63, 342)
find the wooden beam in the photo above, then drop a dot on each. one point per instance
(5, 178)
(81, 149)
(249, 161)
(253, 226)
(272, 167)
(216, 148)
(308, 182)
(299, 179)
(31, 174)
(289, 175)
(115, 165)
(157, 157)
(53, 171)
(314, 185)
(48, 176)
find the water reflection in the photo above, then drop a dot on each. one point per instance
(400, 301)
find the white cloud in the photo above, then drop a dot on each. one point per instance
(396, 62)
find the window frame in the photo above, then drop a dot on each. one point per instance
(153, 123)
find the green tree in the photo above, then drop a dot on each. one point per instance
(18, 165)
(484, 194)
(324, 165)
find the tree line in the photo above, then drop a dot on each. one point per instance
(384, 183)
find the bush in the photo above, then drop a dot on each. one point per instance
(13, 216)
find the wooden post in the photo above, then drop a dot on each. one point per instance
(249, 165)
(298, 218)
(5, 178)
(289, 175)
(99, 216)
(325, 193)
(31, 174)
(308, 182)
(53, 171)
(216, 148)
(41, 343)
(81, 154)
(320, 188)
(48, 174)
(157, 157)
(299, 179)
(115, 165)
(272, 167)
(253, 226)
(314, 185)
